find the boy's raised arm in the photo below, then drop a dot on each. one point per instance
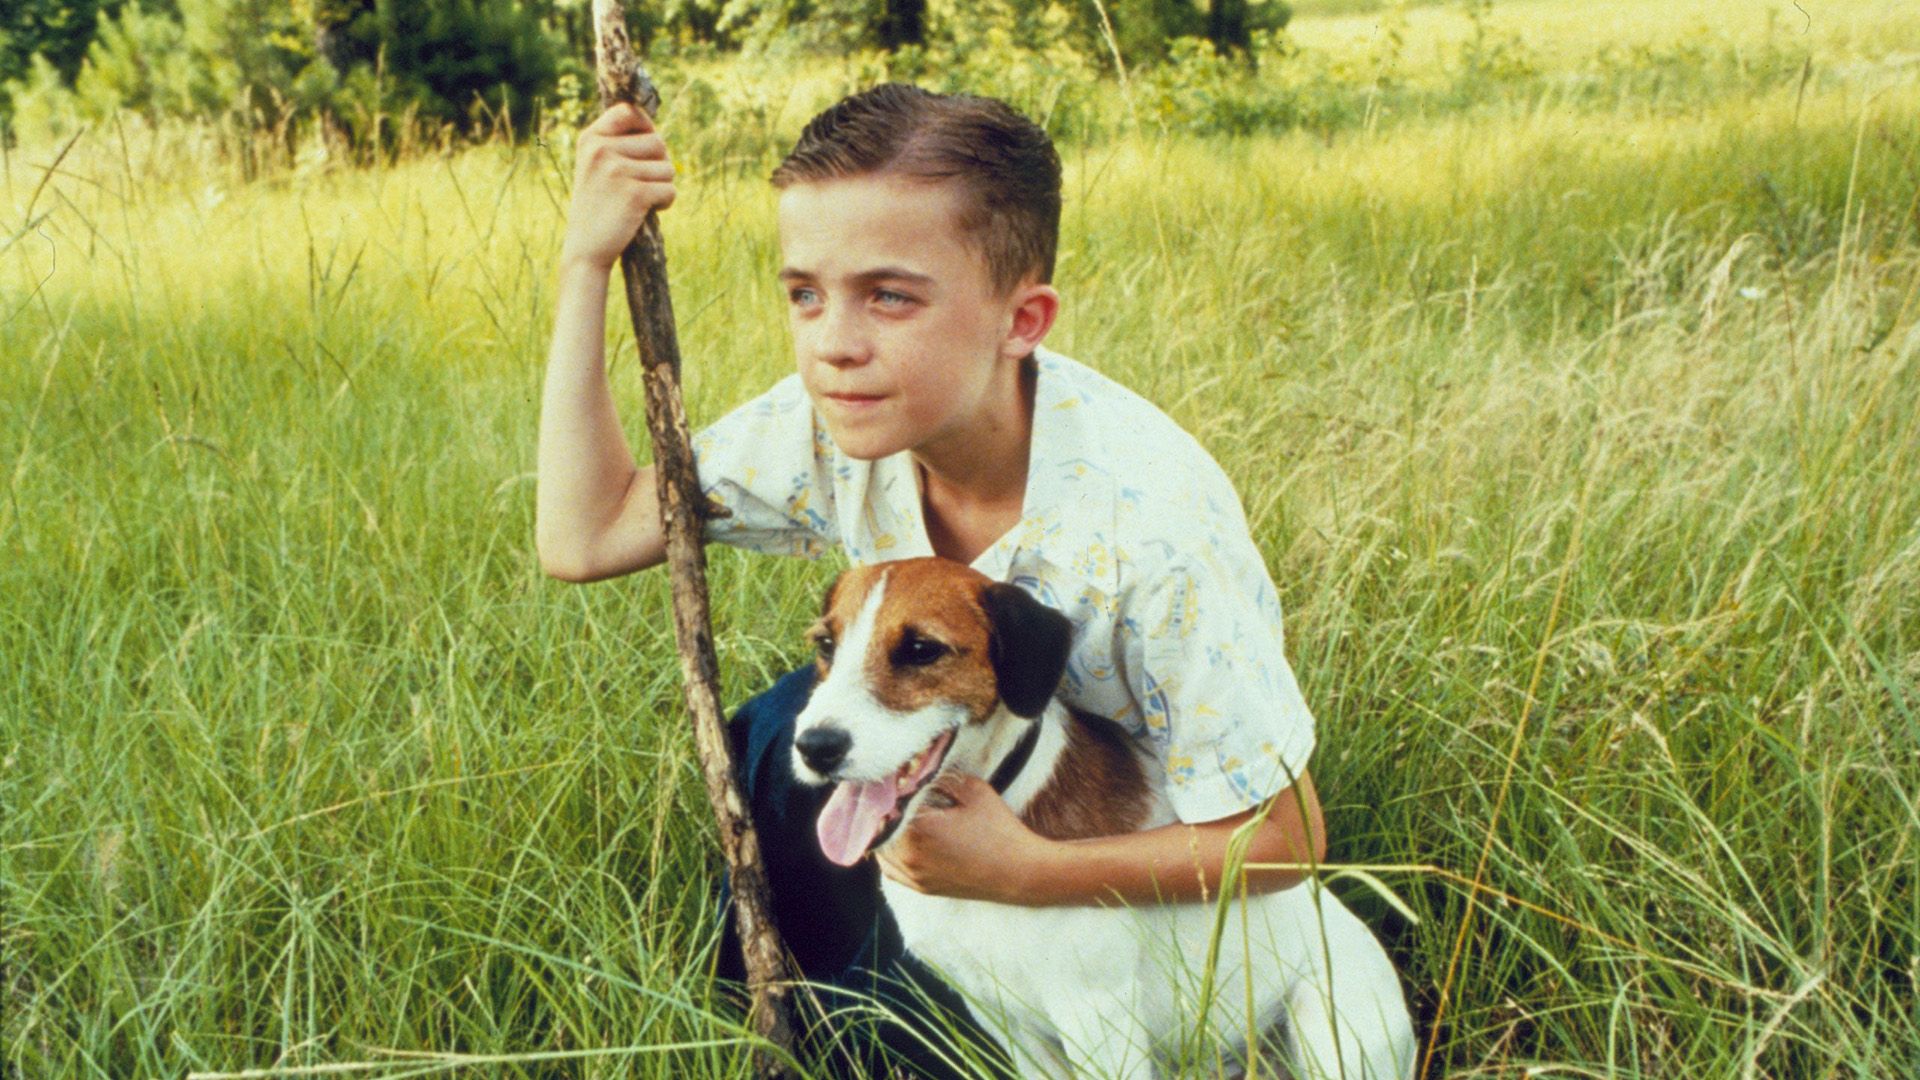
(597, 515)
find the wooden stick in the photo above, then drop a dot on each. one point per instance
(682, 506)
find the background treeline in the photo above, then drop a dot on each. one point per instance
(370, 70)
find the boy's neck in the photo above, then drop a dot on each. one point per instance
(972, 492)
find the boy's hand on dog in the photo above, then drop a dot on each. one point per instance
(621, 172)
(964, 842)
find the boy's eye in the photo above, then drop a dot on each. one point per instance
(803, 296)
(889, 298)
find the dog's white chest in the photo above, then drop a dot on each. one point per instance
(1034, 967)
(1032, 954)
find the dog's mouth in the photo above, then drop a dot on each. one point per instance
(861, 814)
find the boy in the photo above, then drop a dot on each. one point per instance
(917, 236)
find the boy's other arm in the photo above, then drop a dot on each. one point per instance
(978, 849)
(596, 514)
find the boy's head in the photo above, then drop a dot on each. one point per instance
(917, 237)
(1004, 167)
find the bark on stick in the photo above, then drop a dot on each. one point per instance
(682, 505)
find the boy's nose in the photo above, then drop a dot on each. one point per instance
(839, 339)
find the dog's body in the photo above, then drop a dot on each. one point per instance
(939, 669)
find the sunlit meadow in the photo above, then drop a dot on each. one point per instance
(1576, 420)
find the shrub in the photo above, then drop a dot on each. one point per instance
(461, 62)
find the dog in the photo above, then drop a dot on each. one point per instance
(926, 666)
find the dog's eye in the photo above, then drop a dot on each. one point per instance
(823, 645)
(917, 651)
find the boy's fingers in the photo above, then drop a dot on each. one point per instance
(956, 789)
(650, 171)
(623, 119)
(644, 196)
(642, 147)
(648, 147)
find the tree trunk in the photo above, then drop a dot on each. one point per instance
(904, 22)
(1227, 27)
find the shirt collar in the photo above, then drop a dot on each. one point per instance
(1067, 513)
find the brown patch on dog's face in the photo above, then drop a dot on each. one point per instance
(930, 639)
(1097, 787)
(836, 608)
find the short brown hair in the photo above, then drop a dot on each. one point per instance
(1005, 163)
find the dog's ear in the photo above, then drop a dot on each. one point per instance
(1027, 646)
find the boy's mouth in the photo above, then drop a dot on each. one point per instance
(862, 814)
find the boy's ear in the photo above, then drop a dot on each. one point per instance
(1027, 645)
(1034, 307)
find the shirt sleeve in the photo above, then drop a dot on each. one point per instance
(770, 466)
(1207, 662)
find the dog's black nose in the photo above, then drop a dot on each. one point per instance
(823, 747)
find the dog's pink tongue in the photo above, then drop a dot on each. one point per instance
(853, 816)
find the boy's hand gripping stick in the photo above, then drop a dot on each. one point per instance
(682, 505)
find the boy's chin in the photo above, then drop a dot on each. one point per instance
(864, 445)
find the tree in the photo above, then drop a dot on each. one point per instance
(443, 56)
(1227, 26)
(902, 22)
(1231, 23)
(58, 31)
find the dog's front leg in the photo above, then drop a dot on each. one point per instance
(1103, 1035)
(1036, 1054)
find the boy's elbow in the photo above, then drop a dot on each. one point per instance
(1314, 823)
(1296, 840)
(1297, 831)
(579, 562)
(562, 570)
(563, 561)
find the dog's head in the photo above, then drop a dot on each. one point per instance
(921, 664)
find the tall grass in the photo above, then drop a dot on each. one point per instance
(1580, 444)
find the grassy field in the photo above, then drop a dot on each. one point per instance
(1577, 426)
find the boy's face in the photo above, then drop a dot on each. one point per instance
(900, 337)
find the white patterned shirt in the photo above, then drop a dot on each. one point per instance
(1127, 525)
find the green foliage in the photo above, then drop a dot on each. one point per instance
(55, 31)
(674, 24)
(58, 30)
(141, 61)
(460, 62)
(373, 68)
(1489, 58)
(1144, 29)
(1023, 54)
(206, 58)
(799, 27)
(468, 65)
